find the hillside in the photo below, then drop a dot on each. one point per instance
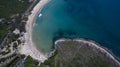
(79, 54)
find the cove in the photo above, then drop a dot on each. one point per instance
(98, 20)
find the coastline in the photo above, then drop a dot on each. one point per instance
(29, 48)
(92, 44)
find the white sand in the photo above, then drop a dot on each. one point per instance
(29, 47)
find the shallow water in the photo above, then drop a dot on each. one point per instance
(98, 20)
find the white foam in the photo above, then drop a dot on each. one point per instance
(40, 15)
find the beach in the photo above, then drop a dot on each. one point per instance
(29, 48)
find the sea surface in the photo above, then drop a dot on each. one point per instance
(98, 20)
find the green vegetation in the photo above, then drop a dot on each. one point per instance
(29, 62)
(51, 61)
(12, 60)
(74, 54)
(15, 61)
(13, 14)
(12, 10)
(3, 30)
(10, 7)
(4, 59)
(13, 37)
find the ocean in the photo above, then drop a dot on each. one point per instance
(97, 20)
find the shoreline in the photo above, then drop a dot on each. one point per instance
(92, 44)
(29, 48)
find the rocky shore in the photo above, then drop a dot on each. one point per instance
(89, 43)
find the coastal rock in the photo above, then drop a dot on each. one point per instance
(80, 53)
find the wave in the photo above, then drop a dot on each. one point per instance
(40, 15)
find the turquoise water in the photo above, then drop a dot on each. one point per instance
(98, 20)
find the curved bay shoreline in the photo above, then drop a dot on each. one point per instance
(30, 48)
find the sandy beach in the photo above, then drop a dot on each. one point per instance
(29, 47)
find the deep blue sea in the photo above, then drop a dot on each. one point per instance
(98, 20)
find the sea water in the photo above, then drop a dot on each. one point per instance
(98, 20)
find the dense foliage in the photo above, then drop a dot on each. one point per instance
(11, 10)
(31, 62)
(9, 7)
